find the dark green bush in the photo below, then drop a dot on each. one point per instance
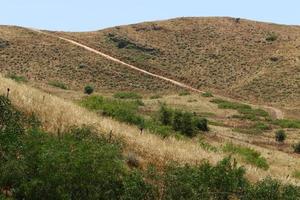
(271, 37)
(271, 189)
(280, 136)
(78, 165)
(165, 115)
(184, 122)
(136, 188)
(88, 89)
(81, 66)
(297, 147)
(222, 181)
(201, 124)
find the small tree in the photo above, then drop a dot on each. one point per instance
(280, 136)
(88, 89)
(201, 124)
(187, 124)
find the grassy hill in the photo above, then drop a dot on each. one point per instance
(35, 57)
(249, 60)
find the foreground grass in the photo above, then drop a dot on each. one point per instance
(249, 155)
(80, 164)
(60, 115)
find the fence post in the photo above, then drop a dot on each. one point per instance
(7, 94)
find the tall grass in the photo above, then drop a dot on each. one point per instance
(249, 155)
(57, 114)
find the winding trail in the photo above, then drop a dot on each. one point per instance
(278, 114)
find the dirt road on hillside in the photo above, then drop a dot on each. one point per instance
(278, 114)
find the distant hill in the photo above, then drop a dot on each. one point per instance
(244, 59)
(41, 58)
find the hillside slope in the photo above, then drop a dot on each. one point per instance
(42, 58)
(242, 59)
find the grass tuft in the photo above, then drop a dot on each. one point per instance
(249, 155)
(127, 95)
(58, 85)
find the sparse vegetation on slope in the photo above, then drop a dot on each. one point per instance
(249, 155)
(41, 58)
(218, 54)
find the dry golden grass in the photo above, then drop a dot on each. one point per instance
(219, 54)
(58, 114)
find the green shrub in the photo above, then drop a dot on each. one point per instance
(261, 126)
(271, 37)
(88, 89)
(222, 181)
(81, 66)
(201, 123)
(287, 123)
(17, 78)
(58, 85)
(124, 111)
(136, 188)
(184, 93)
(177, 120)
(280, 136)
(248, 155)
(187, 126)
(127, 95)
(297, 147)
(165, 115)
(184, 122)
(247, 111)
(271, 189)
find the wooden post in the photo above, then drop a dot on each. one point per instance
(110, 135)
(7, 95)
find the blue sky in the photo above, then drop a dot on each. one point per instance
(85, 15)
